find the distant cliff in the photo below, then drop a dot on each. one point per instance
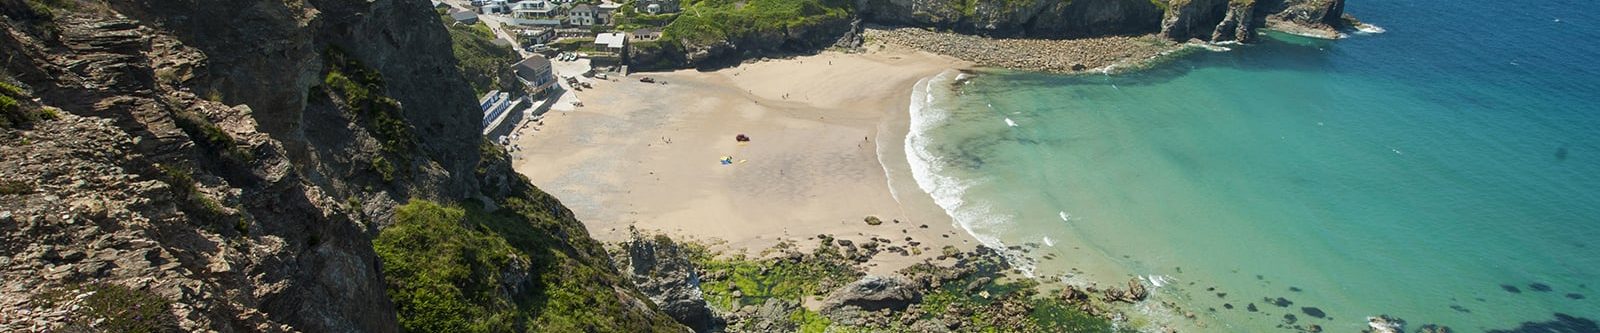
(1211, 20)
(732, 34)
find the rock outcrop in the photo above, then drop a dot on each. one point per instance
(1179, 20)
(1019, 18)
(1135, 293)
(873, 293)
(662, 270)
(1237, 20)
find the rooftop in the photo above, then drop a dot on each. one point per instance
(463, 15)
(611, 40)
(530, 69)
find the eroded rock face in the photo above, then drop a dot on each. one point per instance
(1237, 20)
(660, 268)
(873, 293)
(1179, 20)
(182, 165)
(1030, 18)
(269, 53)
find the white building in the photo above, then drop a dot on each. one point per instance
(613, 41)
(657, 6)
(582, 15)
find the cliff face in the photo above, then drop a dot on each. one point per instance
(1211, 20)
(1237, 20)
(1028, 18)
(199, 166)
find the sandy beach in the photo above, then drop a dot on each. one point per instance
(827, 135)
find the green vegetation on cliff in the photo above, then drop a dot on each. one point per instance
(102, 307)
(13, 109)
(525, 267)
(485, 65)
(709, 21)
(359, 90)
(443, 275)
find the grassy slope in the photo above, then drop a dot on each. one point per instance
(707, 21)
(486, 66)
(446, 267)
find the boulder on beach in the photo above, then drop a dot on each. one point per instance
(874, 293)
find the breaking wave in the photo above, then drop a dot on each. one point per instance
(929, 168)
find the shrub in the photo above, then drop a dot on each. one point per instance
(442, 275)
(207, 135)
(9, 187)
(112, 308)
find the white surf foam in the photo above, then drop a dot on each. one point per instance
(1369, 29)
(1064, 216)
(1049, 242)
(928, 169)
(1011, 123)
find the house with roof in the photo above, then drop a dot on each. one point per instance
(464, 16)
(656, 6)
(582, 15)
(611, 42)
(605, 12)
(535, 75)
(645, 34)
(492, 6)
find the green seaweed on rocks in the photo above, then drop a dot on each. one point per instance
(737, 280)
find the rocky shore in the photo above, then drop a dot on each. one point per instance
(1048, 55)
(827, 289)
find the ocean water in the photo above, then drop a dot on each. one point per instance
(1446, 171)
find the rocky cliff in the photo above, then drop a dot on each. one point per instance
(717, 35)
(198, 166)
(1019, 18)
(1180, 20)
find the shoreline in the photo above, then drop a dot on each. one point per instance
(645, 155)
(1111, 54)
(828, 151)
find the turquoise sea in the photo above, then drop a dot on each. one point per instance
(1446, 171)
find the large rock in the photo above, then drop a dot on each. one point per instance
(662, 271)
(874, 293)
(1236, 20)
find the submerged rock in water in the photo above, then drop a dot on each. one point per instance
(1562, 323)
(1280, 302)
(1431, 328)
(1539, 287)
(1511, 289)
(1575, 296)
(1313, 311)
